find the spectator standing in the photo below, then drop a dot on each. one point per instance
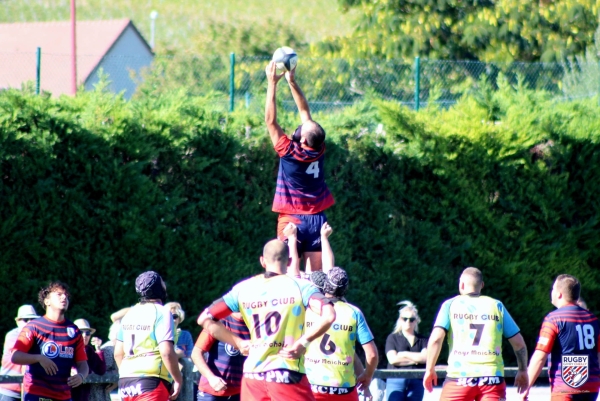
(475, 325)
(301, 194)
(101, 392)
(405, 348)
(184, 343)
(219, 363)
(51, 345)
(571, 336)
(95, 358)
(12, 391)
(273, 306)
(145, 347)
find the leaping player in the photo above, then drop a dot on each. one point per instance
(301, 194)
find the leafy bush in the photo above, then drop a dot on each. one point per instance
(95, 190)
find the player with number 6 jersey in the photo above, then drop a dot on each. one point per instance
(571, 336)
(273, 306)
(301, 194)
(475, 326)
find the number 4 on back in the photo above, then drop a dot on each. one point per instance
(313, 169)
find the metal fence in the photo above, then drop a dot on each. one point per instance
(329, 83)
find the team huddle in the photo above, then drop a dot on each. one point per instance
(290, 335)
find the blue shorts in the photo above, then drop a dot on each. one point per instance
(309, 230)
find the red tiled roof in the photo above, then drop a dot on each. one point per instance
(18, 43)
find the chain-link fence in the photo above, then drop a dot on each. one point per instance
(329, 84)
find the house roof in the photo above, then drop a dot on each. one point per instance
(18, 43)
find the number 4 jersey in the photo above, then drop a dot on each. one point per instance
(571, 336)
(301, 187)
(475, 326)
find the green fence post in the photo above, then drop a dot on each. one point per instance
(417, 81)
(38, 68)
(231, 81)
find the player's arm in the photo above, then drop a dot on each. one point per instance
(21, 355)
(298, 96)
(120, 314)
(215, 381)
(291, 233)
(371, 359)
(209, 320)
(171, 361)
(434, 347)
(536, 364)
(118, 352)
(521, 379)
(327, 258)
(83, 370)
(275, 131)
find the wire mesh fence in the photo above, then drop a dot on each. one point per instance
(329, 84)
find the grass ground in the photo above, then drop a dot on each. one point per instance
(179, 20)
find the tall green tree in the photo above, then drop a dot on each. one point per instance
(486, 30)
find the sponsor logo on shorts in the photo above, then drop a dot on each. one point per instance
(331, 390)
(575, 370)
(130, 391)
(479, 381)
(281, 376)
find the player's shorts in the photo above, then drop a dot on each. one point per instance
(309, 230)
(32, 397)
(144, 389)
(202, 396)
(323, 393)
(265, 390)
(473, 389)
(574, 397)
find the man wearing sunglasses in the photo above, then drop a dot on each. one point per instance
(12, 391)
(475, 325)
(301, 194)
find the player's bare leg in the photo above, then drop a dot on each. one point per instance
(312, 262)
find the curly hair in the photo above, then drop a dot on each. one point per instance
(51, 287)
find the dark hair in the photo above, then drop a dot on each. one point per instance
(51, 287)
(569, 286)
(315, 136)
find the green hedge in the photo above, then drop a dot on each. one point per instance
(95, 190)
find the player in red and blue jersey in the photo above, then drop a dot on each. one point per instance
(571, 336)
(51, 346)
(301, 194)
(222, 371)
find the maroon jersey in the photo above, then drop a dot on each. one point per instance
(59, 341)
(301, 187)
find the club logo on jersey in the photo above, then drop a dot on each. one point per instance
(575, 370)
(231, 350)
(52, 350)
(71, 332)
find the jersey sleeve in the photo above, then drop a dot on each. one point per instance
(307, 290)
(548, 334)
(509, 327)
(231, 298)
(164, 329)
(363, 331)
(283, 146)
(25, 340)
(205, 341)
(443, 317)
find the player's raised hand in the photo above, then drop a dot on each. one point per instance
(326, 230)
(429, 380)
(291, 75)
(290, 230)
(271, 71)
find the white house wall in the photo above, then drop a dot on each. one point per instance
(128, 54)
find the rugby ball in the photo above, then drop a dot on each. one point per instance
(285, 58)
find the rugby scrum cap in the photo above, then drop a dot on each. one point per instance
(149, 285)
(318, 279)
(337, 282)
